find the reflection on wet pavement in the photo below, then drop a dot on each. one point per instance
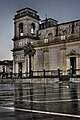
(38, 101)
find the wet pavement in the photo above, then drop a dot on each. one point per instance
(40, 101)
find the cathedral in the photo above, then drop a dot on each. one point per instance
(56, 45)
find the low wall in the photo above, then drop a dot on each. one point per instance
(75, 79)
(31, 80)
(36, 80)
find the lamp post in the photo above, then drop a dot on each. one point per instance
(59, 73)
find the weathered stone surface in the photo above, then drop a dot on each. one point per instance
(53, 43)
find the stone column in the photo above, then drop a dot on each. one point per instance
(77, 65)
(68, 63)
(17, 67)
(32, 62)
(26, 64)
(14, 63)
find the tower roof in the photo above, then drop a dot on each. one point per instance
(27, 12)
(27, 9)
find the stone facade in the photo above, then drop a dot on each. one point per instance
(57, 45)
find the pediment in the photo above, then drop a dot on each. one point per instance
(72, 53)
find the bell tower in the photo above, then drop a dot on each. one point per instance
(26, 23)
(26, 26)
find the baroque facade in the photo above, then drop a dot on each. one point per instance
(57, 45)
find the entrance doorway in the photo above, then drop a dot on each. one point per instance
(19, 67)
(73, 64)
(20, 70)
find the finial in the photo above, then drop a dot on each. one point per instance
(46, 16)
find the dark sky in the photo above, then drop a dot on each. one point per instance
(61, 10)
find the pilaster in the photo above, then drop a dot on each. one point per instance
(63, 60)
(46, 59)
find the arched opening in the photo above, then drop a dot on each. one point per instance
(20, 69)
(50, 36)
(32, 28)
(21, 29)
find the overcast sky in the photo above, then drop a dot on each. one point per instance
(61, 10)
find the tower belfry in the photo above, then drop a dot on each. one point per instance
(26, 23)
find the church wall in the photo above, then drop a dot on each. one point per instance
(77, 27)
(38, 60)
(47, 33)
(54, 58)
(65, 29)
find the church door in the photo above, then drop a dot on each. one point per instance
(73, 64)
(19, 66)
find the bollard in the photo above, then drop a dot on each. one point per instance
(59, 73)
(44, 73)
(31, 74)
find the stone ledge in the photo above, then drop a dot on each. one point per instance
(32, 80)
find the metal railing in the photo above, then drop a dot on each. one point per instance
(33, 74)
(41, 74)
(74, 73)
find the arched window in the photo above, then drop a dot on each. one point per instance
(32, 28)
(21, 29)
(50, 36)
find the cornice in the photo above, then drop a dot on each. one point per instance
(27, 36)
(17, 49)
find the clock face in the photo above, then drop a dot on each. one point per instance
(20, 43)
